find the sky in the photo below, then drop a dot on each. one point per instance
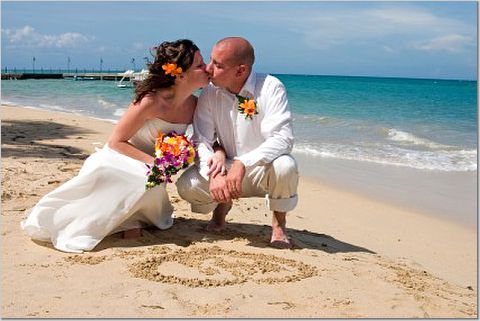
(380, 39)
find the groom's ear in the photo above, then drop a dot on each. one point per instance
(241, 70)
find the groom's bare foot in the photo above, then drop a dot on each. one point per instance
(218, 223)
(132, 234)
(279, 238)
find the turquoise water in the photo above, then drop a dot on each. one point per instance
(100, 99)
(424, 124)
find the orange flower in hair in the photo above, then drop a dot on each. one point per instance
(172, 69)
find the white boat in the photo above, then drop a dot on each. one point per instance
(126, 80)
(139, 76)
(83, 78)
(130, 77)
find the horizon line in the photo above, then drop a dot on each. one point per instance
(94, 70)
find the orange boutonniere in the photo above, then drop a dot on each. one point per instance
(172, 69)
(247, 106)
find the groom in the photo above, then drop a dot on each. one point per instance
(247, 113)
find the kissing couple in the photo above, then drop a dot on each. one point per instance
(242, 129)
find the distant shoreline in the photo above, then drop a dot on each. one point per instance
(84, 70)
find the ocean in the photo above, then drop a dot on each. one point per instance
(411, 142)
(425, 124)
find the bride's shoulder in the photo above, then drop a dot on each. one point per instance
(151, 104)
(148, 101)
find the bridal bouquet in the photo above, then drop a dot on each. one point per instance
(173, 152)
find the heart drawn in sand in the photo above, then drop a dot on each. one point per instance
(214, 266)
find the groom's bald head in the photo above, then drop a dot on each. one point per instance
(239, 49)
(231, 63)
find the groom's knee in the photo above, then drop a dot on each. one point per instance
(186, 183)
(285, 168)
(191, 184)
(282, 184)
(193, 188)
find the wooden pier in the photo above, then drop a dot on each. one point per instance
(74, 76)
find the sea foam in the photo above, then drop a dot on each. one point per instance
(438, 160)
(408, 138)
(106, 104)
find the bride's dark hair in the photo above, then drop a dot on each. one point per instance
(180, 52)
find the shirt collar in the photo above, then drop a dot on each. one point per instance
(248, 88)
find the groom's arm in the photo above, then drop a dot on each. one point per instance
(276, 127)
(204, 136)
(204, 131)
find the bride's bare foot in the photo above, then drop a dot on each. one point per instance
(279, 238)
(132, 234)
(218, 223)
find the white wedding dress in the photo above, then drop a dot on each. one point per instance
(106, 197)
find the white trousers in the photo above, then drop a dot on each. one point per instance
(276, 181)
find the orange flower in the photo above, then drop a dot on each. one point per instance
(247, 107)
(159, 141)
(177, 146)
(172, 69)
(250, 111)
(172, 145)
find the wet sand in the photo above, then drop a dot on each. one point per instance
(445, 195)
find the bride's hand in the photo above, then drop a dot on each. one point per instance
(216, 164)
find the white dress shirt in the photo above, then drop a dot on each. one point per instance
(254, 142)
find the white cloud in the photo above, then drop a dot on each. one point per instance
(402, 17)
(28, 37)
(138, 46)
(388, 49)
(450, 43)
(385, 24)
(18, 34)
(398, 24)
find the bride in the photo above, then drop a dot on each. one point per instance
(109, 195)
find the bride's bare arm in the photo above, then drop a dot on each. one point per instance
(133, 119)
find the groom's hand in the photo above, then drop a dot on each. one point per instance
(218, 189)
(234, 179)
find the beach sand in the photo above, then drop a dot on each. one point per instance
(353, 257)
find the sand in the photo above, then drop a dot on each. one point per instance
(353, 257)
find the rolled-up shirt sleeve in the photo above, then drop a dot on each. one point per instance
(276, 128)
(204, 131)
